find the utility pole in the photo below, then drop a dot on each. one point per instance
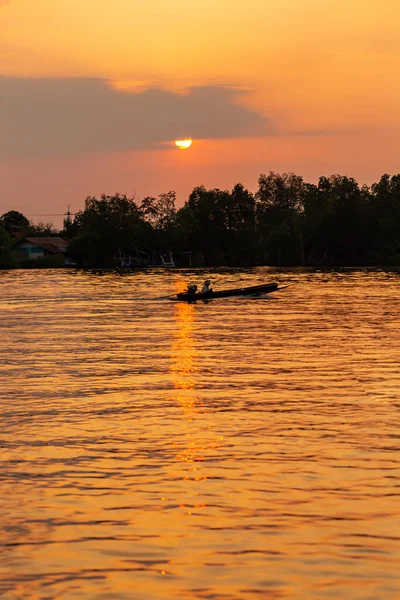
(68, 221)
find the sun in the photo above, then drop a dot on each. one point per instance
(184, 144)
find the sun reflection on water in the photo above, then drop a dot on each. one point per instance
(183, 357)
(183, 369)
(199, 440)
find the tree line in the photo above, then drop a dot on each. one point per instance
(287, 222)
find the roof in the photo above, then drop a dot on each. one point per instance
(55, 245)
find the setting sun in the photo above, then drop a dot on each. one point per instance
(184, 144)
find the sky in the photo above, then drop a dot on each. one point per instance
(94, 93)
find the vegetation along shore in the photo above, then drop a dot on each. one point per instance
(287, 222)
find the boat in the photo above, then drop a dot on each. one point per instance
(254, 290)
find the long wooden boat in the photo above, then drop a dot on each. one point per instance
(254, 290)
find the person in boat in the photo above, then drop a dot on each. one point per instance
(206, 287)
(191, 288)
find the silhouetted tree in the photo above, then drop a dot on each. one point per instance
(6, 256)
(208, 223)
(85, 248)
(341, 229)
(384, 221)
(42, 230)
(14, 222)
(160, 212)
(280, 202)
(107, 226)
(238, 234)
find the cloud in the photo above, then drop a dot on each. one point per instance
(53, 117)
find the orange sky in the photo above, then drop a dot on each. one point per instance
(311, 87)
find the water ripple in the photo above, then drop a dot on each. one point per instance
(229, 450)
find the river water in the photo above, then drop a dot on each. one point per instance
(236, 449)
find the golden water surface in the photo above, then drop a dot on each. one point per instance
(236, 449)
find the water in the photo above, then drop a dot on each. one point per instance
(239, 449)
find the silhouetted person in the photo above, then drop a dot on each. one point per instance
(191, 288)
(206, 287)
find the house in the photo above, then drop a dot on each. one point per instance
(36, 247)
